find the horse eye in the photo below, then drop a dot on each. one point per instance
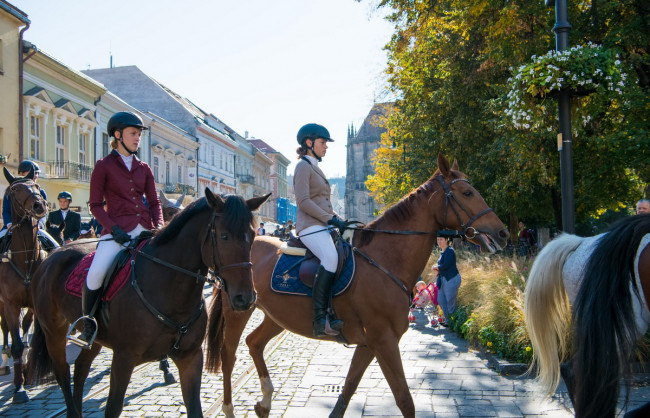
(468, 193)
(224, 237)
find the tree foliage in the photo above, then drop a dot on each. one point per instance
(449, 62)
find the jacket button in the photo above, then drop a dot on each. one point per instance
(136, 206)
(131, 188)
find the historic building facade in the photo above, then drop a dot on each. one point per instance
(359, 205)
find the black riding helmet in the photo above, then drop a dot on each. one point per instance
(65, 195)
(122, 120)
(313, 131)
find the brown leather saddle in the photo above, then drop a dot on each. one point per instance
(309, 265)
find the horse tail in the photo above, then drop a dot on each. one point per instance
(40, 366)
(605, 325)
(547, 310)
(214, 336)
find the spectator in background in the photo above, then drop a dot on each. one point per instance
(525, 240)
(449, 280)
(643, 206)
(279, 231)
(67, 217)
(287, 229)
(261, 230)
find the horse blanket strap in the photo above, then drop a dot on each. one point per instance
(181, 329)
(388, 273)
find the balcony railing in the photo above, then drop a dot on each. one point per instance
(69, 170)
(180, 189)
(247, 178)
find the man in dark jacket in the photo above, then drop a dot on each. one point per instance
(67, 217)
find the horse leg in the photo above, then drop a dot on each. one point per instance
(28, 318)
(81, 369)
(360, 361)
(388, 356)
(190, 369)
(17, 348)
(235, 322)
(6, 352)
(121, 371)
(256, 342)
(164, 367)
(56, 349)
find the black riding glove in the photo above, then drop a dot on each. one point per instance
(119, 235)
(339, 223)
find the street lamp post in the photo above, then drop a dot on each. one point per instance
(562, 29)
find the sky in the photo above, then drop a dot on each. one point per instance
(261, 66)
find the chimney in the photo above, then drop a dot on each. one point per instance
(245, 134)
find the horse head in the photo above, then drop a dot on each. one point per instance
(465, 209)
(227, 245)
(26, 198)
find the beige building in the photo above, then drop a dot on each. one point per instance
(277, 175)
(13, 23)
(59, 106)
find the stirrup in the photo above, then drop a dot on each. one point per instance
(78, 341)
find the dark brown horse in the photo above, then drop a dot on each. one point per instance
(375, 325)
(161, 312)
(27, 207)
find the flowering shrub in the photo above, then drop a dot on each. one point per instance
(581, 69)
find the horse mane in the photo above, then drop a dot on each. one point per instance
(236, 219)
(601, 357)
(170, 231)
(403, 209)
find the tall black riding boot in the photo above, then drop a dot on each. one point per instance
(321, 294)
(89, 299)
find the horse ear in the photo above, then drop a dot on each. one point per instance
(179, 201)
(214, 200)
(8, 175)
(454, 166)
(163, 199)
(254, 203)
(443, 165)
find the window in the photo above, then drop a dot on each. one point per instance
(214, 156)
(180, 174)
(167, 172)
(105, 144)
(221, 160)
(59, 153)
(35, 137)
(156, 170)
(83, 146)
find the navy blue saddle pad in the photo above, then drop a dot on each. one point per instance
(285, 276)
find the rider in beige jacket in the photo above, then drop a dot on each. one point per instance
(315, 213)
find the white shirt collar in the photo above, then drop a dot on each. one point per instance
(312, 160)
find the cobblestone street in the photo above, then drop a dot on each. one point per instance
(447, 379)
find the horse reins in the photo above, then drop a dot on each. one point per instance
(449, 200)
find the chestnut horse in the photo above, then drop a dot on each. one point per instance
(27, 207)
(160, 312)
(598, 288)
(374, 324)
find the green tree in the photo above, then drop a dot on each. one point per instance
(449, 63)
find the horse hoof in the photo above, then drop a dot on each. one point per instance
(20, 397)
(4, 371)
(169, 379)
(260, 411)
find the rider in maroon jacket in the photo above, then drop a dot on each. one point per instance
(121, 180)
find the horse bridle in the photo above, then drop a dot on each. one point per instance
(26, 214)
(450, 199)
(217, 265)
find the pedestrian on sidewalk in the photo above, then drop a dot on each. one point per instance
(448, 280)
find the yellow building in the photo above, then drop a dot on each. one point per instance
(59, 106)
(13, 22)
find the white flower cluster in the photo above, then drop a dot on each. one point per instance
(582, 69)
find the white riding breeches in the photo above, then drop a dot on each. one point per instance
(319, 241)
(106, 251)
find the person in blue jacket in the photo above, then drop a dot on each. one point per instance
(448, 278)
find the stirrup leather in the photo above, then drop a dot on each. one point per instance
(78, 341)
